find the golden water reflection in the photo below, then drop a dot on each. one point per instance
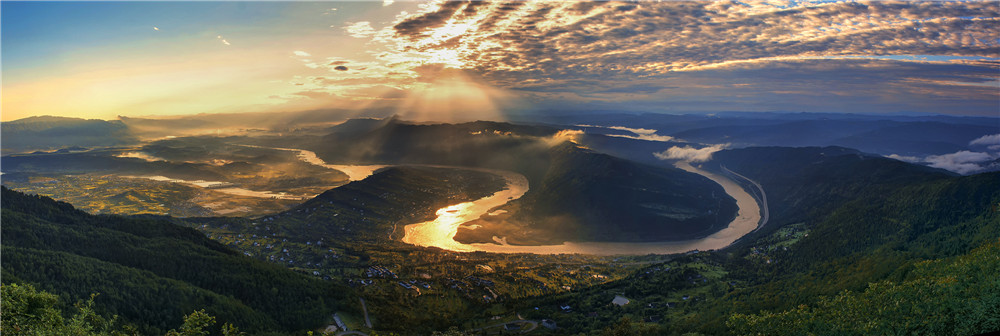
(441, 231)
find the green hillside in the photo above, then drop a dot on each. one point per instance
(152, 272)
(920, 250)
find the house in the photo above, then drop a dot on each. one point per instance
(339, 322)
(565, 308)
(620, 300)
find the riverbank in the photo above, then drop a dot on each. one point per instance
(440, 232)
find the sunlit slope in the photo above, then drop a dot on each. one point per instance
(575, 194)
(487, 144)
(152, 272)
(371, 210)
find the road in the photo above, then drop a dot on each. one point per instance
(364, 308)
(765, 212)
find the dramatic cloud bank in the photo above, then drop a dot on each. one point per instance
(689, 153)
(600, 39)
(940, 57)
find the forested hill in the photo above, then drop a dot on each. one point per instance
(151, 272)
(892, 258)
(808, 182)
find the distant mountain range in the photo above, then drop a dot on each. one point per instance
(850, 231)
(918, 136)
(48, 133)
(925, 139)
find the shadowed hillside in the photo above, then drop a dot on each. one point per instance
(152, 272)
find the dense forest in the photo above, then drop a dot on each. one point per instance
(856, 245)
(152, 272)
(905, 249)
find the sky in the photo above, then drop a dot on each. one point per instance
(450, 61)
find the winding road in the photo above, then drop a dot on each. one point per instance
(766, 213)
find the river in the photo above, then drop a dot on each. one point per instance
(354, 172)
(226, 187)
(441, 231)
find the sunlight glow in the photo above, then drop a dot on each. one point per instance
(454, 97)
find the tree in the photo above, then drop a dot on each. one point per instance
(26, 311)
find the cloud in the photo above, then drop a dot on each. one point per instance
(653, 38)
(685, 56)
(140, 155)
(904, 158)
(962, 162)
(563, 136)
(689, 153)
(340, 68)
(641, 134)
(156, 28)
(637, 133)
(986, 140)
(301, 53)
(219, 37)
(362, 29)
(386, 3)
(534, 44)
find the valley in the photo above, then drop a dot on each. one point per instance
(485, 168)
(432, 240)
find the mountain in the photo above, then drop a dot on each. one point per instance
(874, 136)
(918, 138)
(246, 122)
(878, 246)
(47, 132)
(151, 272)
(369, 210)
(475, 144)
(107, 161)
(590, 196)
(804, 182)
(574, 194)
(358, 126)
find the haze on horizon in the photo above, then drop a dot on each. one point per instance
(456, 61)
